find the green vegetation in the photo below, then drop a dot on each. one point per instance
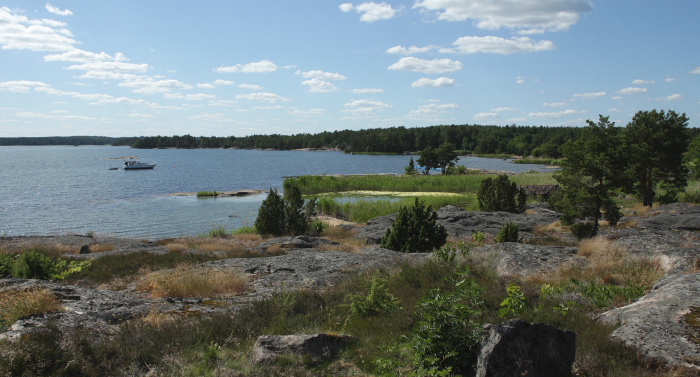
(440, 158)
(362, 211)
(278, 216)
(32, 264)
(415, 230)
(500, 194)
(508, 233)
(206, 194)
(378, 300)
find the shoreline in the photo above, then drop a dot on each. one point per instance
(223, 194)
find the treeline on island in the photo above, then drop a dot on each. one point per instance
(513, 140)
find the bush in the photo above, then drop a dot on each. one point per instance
(377, 302)
(509, 233)
(447, 336)
(6, 262)
(500, 194)
(415, 230)
(582, 230)
(270, 220)
(33, 265)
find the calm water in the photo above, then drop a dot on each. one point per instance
(61, 189)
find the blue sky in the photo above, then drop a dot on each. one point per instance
(130, 68)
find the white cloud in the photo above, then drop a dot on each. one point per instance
(643, 82)
(498, 45)
(426, 66)
(54, 10)
(670, 79)
(28, 114)
(499, 109)
(321, 75)
(696, 71)
(223, 82)
(320, 86)
(263, 97)
(409, 50)
(250, 86)
(614, 110)
(545, 15)
(365, 107)
(308, 113)
(263, 66)
(110, 70)
(367, 90)
(520, 80)
(559, 114)
(672, 97)
(632, 90)
(153, 86)
(199, 97)
(80, 56)
(371, 11)
(22, 86)
(439, 82)
(206, 86)
(18, 32)
(555, 104)
(486, 116)
(589, 96)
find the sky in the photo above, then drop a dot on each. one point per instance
(238, 68)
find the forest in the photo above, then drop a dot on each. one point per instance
(537, 141)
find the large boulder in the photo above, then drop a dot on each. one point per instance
(655, 325)
(520, 348)
(319, 347)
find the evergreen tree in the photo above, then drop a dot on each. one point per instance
(428, 159)
(415, 230)
(500, 194)
(296, 221)
(446, 156)
(591, 174)
(271, 215)
(656, 142)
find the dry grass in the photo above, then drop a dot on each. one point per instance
(337, 233)
(554, 227)
(342, 247)
(189, 281)
(240, 244)
(100, 247)
(19, 303)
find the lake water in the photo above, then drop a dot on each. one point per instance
(51, 190)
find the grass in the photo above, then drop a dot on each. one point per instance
(190, 281)
(15, 304)
(207, 194)
(692, 193)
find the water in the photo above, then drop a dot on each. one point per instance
(52, 190)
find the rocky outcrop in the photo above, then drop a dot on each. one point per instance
(298, 242)
(463, 224)
(655, 325)
(519, 348)
(510, 258)
(319, 347)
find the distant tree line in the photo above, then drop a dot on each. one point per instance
(58, 140)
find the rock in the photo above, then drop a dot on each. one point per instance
(510, 258)
(464, 224)
(520, 348)
(654, 324)
(319, 347)
(298, 242)
(85, 249)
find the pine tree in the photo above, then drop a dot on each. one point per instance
(271, 215)
(415, 230)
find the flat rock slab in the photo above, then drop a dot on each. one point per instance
(319, 347)
(655, 325)
(75, 242)
(311, 269)
(510, 258)
(463, 224)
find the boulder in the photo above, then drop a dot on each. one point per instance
(319, 347)
(520, 348)
(510, 258)
(655, 325)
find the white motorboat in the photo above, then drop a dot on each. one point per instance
(137, 165)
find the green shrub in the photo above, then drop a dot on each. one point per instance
(582, 230)
(449, 253)
(378, 300)
(447, 335)
(6, 262)
(479, 237)
(270, 220)
(34, 265)
(515, 303)
(205, 194)
(415, 230)
(509, 233)
(500, 194)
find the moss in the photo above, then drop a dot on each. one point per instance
(692, 319)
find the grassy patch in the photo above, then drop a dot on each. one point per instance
(15, 304)
(692, 193)
(190, 281)
(363, 210)
(207, 194)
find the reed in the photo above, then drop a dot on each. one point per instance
(207, 194)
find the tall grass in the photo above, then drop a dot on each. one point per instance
(470, 183)
(15, 304)
(363, 210)
(189, 281)
(692, 193)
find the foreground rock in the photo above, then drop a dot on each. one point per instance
(655, 324)
(319, 347)
(510, 258)
(463, 224)
(519, 348)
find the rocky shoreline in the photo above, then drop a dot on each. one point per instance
(654, 325)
